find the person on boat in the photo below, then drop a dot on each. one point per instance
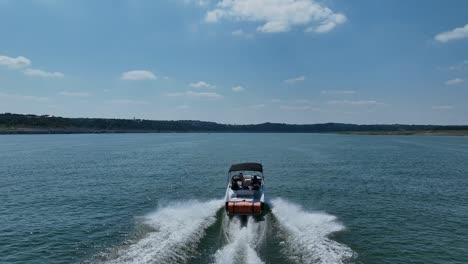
(234, 184)
(237, 181)
(256, 182)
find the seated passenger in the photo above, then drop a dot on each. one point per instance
(234, 185)
(256, 182)
(236, 182)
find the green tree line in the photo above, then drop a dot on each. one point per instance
(45, 122)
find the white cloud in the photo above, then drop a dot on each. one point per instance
(238, 32)
(257, 106)
(442, 107)
(197, 2)
(455, 67)
(278, 15)
(328, 24)
(14, 63)
(191, 94)
(138, 75)
(454, 34)
(238, 89)
(128, 102)
(355, 103)
(299, 108)
(334, 92)
(23, 62)
(202, 84)
(295, 80)
(275, 100)
(43, 74)
(75, 94)
(454, 81)
(242, 34)
(24, 97)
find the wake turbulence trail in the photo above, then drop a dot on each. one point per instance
(176, 232)
(306, 235)
(242, 241)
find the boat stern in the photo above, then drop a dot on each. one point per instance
(244, 208)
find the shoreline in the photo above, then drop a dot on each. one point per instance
(459, 133)
(47, 131)
(46, 124)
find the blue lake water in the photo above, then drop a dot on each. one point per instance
(156, 198)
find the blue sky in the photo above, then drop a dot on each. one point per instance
(237, 61)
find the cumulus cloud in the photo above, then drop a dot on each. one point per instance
(355, 103)
(278, 15)
(43, 74)
(454, 81)
(14, 63)
(138, 75)
(334, 92)
(454, 34)
(191, 94)
(75, 94)
(238, 89)
(442, 107)
(295, 80)
(202, 84)
(21, 62)
(328, 24)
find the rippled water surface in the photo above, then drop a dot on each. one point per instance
(157, 198)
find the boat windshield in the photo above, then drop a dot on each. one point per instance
(246, 173)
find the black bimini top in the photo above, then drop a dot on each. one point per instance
(248, 166)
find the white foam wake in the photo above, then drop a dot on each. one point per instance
(242, 242)
(177, 229)
(306, 234)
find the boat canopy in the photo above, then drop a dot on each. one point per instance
(248, 166)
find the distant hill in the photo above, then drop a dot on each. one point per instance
(23, 124)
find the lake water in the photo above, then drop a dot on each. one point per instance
(157, 198)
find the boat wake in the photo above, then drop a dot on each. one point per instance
(176, 231)
(307, 235)
(242, 241)
(200, 232)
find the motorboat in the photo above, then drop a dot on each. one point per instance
(245, 190)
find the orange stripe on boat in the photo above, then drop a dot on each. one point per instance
(244, 208)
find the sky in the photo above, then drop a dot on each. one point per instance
(237, 61)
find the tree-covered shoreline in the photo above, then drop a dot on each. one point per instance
(44, 124)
